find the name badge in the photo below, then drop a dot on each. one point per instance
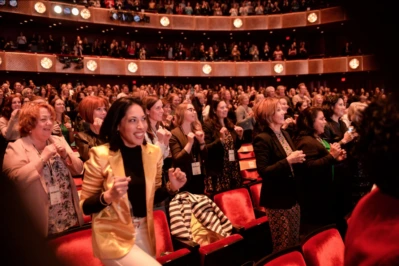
(55, 195)
(68, 109)
(231, 156)
(196, 167)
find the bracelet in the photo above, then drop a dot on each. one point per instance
(102, 200)
(169, 189)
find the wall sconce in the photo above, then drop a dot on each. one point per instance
(206, 69)
(312, 17)
(85, 13)
(58, 9)
(354, 63)
(40, 7)
(278, 68)
(75, 11)
(164, 21)
(46, 63)
(132, 67)
(1, 61)
(237, 23)
(91, 65)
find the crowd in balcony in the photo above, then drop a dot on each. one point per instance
(215, 8)
(216, 51)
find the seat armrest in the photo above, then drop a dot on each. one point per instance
(179, 243)
(259, 212)
(238, 229)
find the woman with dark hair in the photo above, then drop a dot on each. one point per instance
(211, 97)
(92, 109)
(336, 129)
(174, 101)
(156, 134)
(317, 172)
(188, 148)
(10, 117)
(222, 139)
(63, 124)
(120, 194)
(276, 158)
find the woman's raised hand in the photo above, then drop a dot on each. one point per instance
(118, 190)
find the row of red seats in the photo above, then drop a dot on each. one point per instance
(323, 247)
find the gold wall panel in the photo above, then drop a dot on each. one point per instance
(111, 66)
(21, 62)
(333, 65)
(26, 62)
(255, 22)
(260, 69)
(242, 69)
(315, 66)
(329, 15)
(170, 69)
(294, 20)
(297, 67)
(152, 68)
(189, 69)
(182, 22)
(224, 69)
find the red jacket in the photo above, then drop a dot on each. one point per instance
(373, 232)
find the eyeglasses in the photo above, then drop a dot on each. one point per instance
(191, 109)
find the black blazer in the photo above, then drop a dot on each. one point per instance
(183, 160)
(214, 164)
(317, 197)
(278, 184)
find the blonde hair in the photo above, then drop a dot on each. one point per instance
(264, 111)
(354, 111)
(179, 113)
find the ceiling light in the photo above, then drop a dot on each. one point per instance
(40, 7)
(58, 9)
(67, 11)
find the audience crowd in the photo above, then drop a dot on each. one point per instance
(192, 135)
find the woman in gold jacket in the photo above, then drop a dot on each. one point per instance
(120, 187)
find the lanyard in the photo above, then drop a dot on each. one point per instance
(48, 163)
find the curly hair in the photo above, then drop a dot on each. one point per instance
(305, 121)
(329, 103)
(213, 118)
(378, 144)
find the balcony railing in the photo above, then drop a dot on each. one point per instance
(41, 63)
(182, 22)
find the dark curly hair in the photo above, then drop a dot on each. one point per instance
(305, 121)
(214, 120)
(329, 103)
(378, 143)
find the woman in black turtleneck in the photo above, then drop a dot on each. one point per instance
(121, 185)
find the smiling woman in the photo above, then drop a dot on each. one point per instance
(42, 166)
(121, 184)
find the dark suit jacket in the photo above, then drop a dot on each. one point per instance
(278, 184)
(183, 160)
(214, 164)
(317, 197)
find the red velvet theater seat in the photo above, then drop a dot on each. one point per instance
(165, 253)
(237, 206)
(287, 257)
(255, 195)
(227, 251)
(324, 247)
(75, 248)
